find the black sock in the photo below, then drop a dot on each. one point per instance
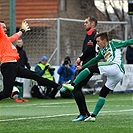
(72, 84)
(93, 115)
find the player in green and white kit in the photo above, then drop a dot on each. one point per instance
(112, 68)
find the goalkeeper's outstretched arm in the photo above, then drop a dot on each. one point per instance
(23, 28)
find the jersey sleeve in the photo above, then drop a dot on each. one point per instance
(93, 60)
(14, 37)
(120, 43)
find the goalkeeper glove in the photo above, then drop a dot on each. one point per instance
(24, 26)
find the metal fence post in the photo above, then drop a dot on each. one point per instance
(58, 41)
(12, 17)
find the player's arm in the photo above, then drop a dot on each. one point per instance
(15, 36)
(120, 43)
(23, 28)
(93, 60)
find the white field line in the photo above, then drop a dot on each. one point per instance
(60, 103)
(43, 106)
(52, 116)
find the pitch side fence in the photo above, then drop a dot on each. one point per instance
(58, 37)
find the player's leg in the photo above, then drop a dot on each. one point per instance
(20, 88)
(114, 77)
(19, 85)
(82, 76)
(9, 72)
(78, 95)
(83, 83)
(25, 73)
(80, 99)
(51, 91)
(100, 103)
(81, 103)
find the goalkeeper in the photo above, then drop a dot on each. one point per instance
(9, 68)
(113, 68)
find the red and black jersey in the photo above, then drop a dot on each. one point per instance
(89, 45)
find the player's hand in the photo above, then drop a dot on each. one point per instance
(67, 66)
(46, 67)
(78, 61)
(78, 67)
(24, 27)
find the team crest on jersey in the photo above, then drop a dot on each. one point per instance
(90, 43)
(108, 54)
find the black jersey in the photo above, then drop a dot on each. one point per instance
(89, 45)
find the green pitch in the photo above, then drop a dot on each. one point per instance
(54, 116)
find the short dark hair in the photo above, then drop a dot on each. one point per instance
(1, 21)
(102, 35)
(92, 19)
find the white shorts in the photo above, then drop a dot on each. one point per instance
(113, 74)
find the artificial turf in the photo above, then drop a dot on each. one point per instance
(54, 116)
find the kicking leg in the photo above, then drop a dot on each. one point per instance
(82, 76)
(25, 73)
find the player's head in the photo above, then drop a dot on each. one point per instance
(44, 59)
(3, 25)
(19, 42)
(90, 23)
(102, 39)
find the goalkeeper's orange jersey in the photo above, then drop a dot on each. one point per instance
(8, 51)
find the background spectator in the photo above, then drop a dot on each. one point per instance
(66, 72)
(129, 54)
(43, 68)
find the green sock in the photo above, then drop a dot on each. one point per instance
(81, 76)
(20, 92)
(99, 105)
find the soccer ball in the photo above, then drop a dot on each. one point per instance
(15, 93)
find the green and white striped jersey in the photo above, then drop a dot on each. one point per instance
(111, 54)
